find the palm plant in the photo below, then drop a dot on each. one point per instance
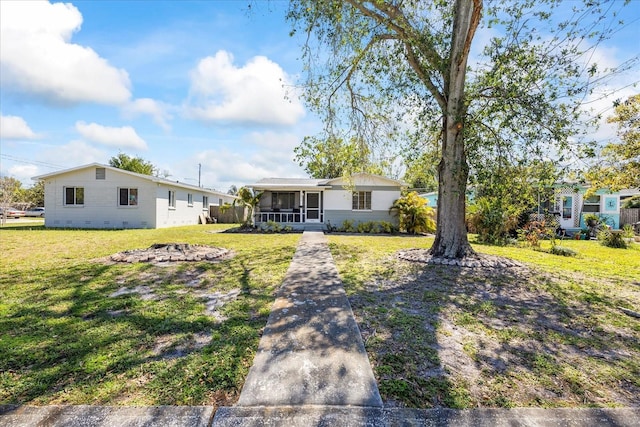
(414, 214)
(249, 199)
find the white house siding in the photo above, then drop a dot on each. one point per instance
(338, 205)
(182, 214)
(100, 209)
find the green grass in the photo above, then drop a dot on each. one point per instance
(65, 340)
(593, 259)
(551, 335)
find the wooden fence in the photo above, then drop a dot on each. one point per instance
(230, 216)
(629, 216)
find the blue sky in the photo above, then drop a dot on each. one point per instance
(177, 83)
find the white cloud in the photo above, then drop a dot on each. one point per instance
(23, 173)
(14, 127)
(157, 110)
(610, 88)
(221, 91)
(39, 59)
(123, 137)
(74, 153)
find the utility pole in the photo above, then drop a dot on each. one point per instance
(199, 173)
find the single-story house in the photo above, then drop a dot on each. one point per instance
(326, 202)
(101, 196)
(569, 202)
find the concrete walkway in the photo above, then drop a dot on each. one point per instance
(311, 369)
(311, 351)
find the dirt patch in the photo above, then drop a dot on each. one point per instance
(489, 336)
(162, 253)
(151, 284)
(171, 346)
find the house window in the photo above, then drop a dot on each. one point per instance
(283, 200)
(189, 199)
(128, 197)
(172, 199)
(567, 207)
(74, 196)
(205, 203)
(591, 204)
(361, 201)
(101, 173)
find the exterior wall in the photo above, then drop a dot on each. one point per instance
(338, 205)
(336, 201)
(381, 198)
(608, 207)
(183, 213)
(337, 217)
(100, 209)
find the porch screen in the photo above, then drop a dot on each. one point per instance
(283, 200)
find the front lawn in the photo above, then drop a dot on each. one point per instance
(77, 330)
(552, 334)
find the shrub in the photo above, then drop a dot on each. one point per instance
(562, 250)
(348, 226)
(492, 220)
(387, 227)
(272, 227)
(627, 231)
(612, 240)
(533, 231)
(365, 227)
(414, 214)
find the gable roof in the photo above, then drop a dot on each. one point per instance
(368, 175)
(281, 183)
(151, 178)
(268, 183)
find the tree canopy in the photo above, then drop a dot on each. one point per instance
(619, 166)
(390, 72)
(333, 157)
(132, 164)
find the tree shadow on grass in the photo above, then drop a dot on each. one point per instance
(68, 340)
(459, 337)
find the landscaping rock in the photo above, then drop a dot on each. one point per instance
(172, 252)
(477, 261)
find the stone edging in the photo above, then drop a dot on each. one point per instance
(478, 261)
(171, 252)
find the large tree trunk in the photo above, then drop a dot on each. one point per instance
(453, 171)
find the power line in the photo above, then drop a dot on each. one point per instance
(31, 162)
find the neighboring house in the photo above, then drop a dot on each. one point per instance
(432, 198)
(301, 202)
(569, 202)
(100, 196)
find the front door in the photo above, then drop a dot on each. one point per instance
(312, 207)
(566, 212)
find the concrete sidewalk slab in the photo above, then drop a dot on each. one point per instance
(311, 351)
(302, 416)
(105, 416)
